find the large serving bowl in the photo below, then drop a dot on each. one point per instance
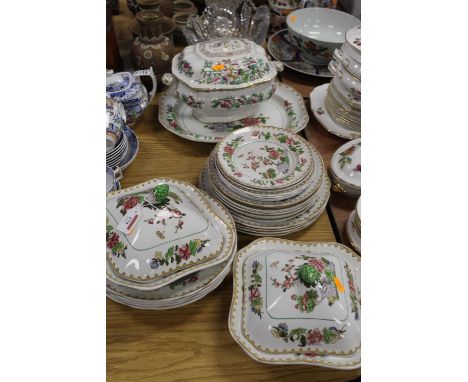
(223, 80)
(319, 31)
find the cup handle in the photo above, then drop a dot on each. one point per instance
(117, 173)
(338, 54)
(150, 73)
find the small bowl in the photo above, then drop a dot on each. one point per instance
(317, 32)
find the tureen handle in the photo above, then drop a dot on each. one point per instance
(167, 79)
(278, 65)
(332, 66)
(150, 73)
(117, 173)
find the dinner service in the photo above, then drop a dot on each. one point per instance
(297, 303)
(228, 18)
(126, 87)
(322, 114)
(179, 289)
(285, 109)
(112, 178)
(345, 169)
(353, 227)
(319, 31)
(270, 180)
(281, 49)
(223, 80)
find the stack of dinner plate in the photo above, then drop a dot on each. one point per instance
(297, 303)
(167, 244)
(273, 182)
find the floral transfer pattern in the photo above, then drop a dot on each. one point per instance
(354, 95)
(346, 159)
(184, 67)
(354, 293)
(178, 253)
(321, 280)
(291, 114)
(237, 102)
(233, 71)
(231, 126)
(255, 296)
(184, 281)
(147, 200)
(271, 165)
(113, 242)
(191, 101)
(307, 337)
(313, 49)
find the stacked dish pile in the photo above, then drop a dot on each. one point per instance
(167, 244)
(297, 303)
(337, 106)
(273, 182)
(353, 227)
(121, 141)
(345, 169)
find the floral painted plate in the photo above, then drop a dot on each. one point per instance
(286, 110)
(258, 278)
(346, 164)
(291, 56)
(263, 157)
(317, 104)
(158, 228)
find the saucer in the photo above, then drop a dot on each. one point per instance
(285, 110)
(291, 56)
(132, 150)
(317, 104)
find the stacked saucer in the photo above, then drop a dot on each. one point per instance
(345, 169)
(121, 141)
(167, 244)
(297, 303)
(353, 227)
(337, 106)
(272, 182)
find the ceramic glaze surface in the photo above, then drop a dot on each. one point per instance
(346, 162)
(319, 31)
(285, 110)
(295, 298)
(175, 229)
(265, 157)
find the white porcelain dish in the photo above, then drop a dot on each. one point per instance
(319, 31)
(286, 110)
(317, 104)
(271, 320)
(345, 168)
(176, 231)
(223, 80)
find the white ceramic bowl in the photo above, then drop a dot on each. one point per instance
(319, 31)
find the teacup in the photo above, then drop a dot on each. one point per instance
(317, 32)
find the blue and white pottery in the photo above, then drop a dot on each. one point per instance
(127, 88)
(132, 150)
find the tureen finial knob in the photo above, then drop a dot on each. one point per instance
(160, 193)
(308, 274)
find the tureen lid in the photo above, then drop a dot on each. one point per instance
(226, 63)
(299, 297)
(158, 228)
(353, 37)
(346, 163)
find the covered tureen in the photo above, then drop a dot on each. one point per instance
(223, 80)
